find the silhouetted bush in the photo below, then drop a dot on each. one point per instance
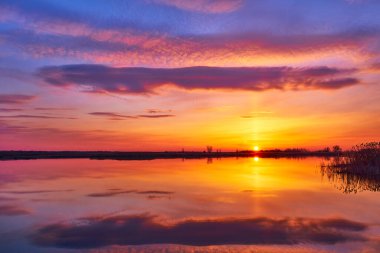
(337, 149)
(357, 170)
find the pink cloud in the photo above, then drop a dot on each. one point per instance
(136, 47)
(208, 6)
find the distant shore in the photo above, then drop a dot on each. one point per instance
(121, 155)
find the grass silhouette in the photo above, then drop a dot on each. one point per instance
(355, 170)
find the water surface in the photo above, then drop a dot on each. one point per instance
(228, 205)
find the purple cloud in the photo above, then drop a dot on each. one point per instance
(155, 192)
(53, 109)
(145, 229)
(117, 116)
(111, 115)
(157, 111)
(156, 116)
(10, 109)
(27, 116)
(35, 191)
(15, 98)
(112, 193)
(12, 210)
(145, 80)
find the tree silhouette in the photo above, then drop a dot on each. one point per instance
(337, 149)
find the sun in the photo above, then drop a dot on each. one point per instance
(256, 148)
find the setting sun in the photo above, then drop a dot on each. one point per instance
(256, 148)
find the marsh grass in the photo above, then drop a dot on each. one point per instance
(356, 170)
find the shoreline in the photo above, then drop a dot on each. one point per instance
(128, 155)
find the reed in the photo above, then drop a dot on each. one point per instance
(355, 170)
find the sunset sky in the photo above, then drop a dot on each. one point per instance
(173, 74)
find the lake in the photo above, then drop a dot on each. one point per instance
(175, 205)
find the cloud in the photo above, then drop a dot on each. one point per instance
(154, 197)
(45, 30)
(146, 80)
(27, 116)
(6, 198)
(111, 115)
(53, 109)
(207, 6)
(155, 192)
(112, 193)
(29, 137)
(12, 210)
(117, 116)
(8, 129)
(15, 98)
(149, 49)
(145, 229)
(156, 116)
(35, 191)
(61, 44)
(109, 193)
(157, 111)
(131, 45)
(10, 109)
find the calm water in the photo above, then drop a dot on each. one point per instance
(229, 205)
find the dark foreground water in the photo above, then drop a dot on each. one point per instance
(228, 205)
